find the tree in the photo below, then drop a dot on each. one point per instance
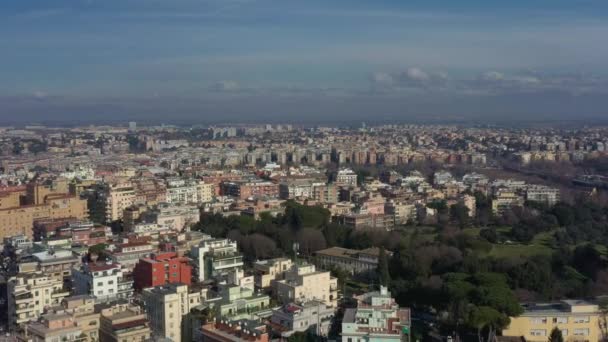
(385, 276)
(485, 317)
(556, 335)
(459, 213)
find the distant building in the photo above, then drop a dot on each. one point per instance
(504, 200)
(215, 258)
(346, 177)
(542, 194)
(351, 260)
(266, 271)
(226, 330)
(376, 318)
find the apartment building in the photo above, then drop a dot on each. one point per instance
(82, 311)
(129, 253)
(29, 294)
(238, 302)
(175, 217)
(114, 198)
(124, 322)
(401, 213)
(304, 283)
(504, 200)
(245, 189)
(578, 320)
(376, 318)
(105, 281)
(189, 191)
(168, 307)
(55, 263)
(266, 271)
(216, 258)
(20, 220)
(325, 193)
(346, 177)
(229, 331)
(313, 316)
(162, 268)
(52, 328)
(542, 194)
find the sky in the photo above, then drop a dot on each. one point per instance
(206, 61)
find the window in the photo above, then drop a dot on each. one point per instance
(560, 320)
(538, 320)
(581, 319)
(538, 332)
(564, 332)
(110, 282)
(99, 283)
(581, 332)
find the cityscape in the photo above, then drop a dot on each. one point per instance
(301, 171)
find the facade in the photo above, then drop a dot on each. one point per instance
(400, 212)
(176, 218)
(304, 283)
(326, 193)
(247, 189)
(313, 316)
(240, 302)
(105, 281)
(189, 191)
(351, 260)
(160, 269)
(128, 254)
(57, 264)
(578, 321)
(30, 294)
(215, 258)
(376, 318)
(124, 322)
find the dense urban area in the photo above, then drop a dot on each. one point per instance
(279, 232)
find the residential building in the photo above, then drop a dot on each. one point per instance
(114, 198)
(168, 307)
(52, 328)
(189, 191)
(124, 322)
(376, 318)
(162, 268)
(244, 189)
(30, 294)
(175, 217)
(82, 311)
(346, 177)
(401, 213)
(542, 194)
(304, 283)
(325, 193)
(56, 263)
(266, 271)
(231, 331)
(128, 254)
(216, 258)
(578, 320)
(313, 316)
(105, 281)
(504, 200)
(240, 302)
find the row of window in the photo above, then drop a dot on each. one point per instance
(560, 320)
(577, 332)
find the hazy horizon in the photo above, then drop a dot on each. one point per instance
(209, 61)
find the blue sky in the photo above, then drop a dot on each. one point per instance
(288, 60)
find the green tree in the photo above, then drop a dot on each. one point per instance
(485, 317)
(385, 277)
(556, 335)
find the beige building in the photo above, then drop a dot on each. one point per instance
(29, 294)
(578, 321)
(167, 307)
(117, 197)
(52, 328)
(124, 322)
(20, 220)
(504, 200)
(304, 283)
(266, 271)
(351, 260)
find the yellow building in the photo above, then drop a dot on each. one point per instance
(578, 320)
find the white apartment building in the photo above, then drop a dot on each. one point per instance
(266, 271)
(175, 217)
(29, 294)
(304, 283)
(542, 194)
(346, 177)
(216, 258)
(189, 191)
(105, 281)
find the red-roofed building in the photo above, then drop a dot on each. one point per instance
(162, 268)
